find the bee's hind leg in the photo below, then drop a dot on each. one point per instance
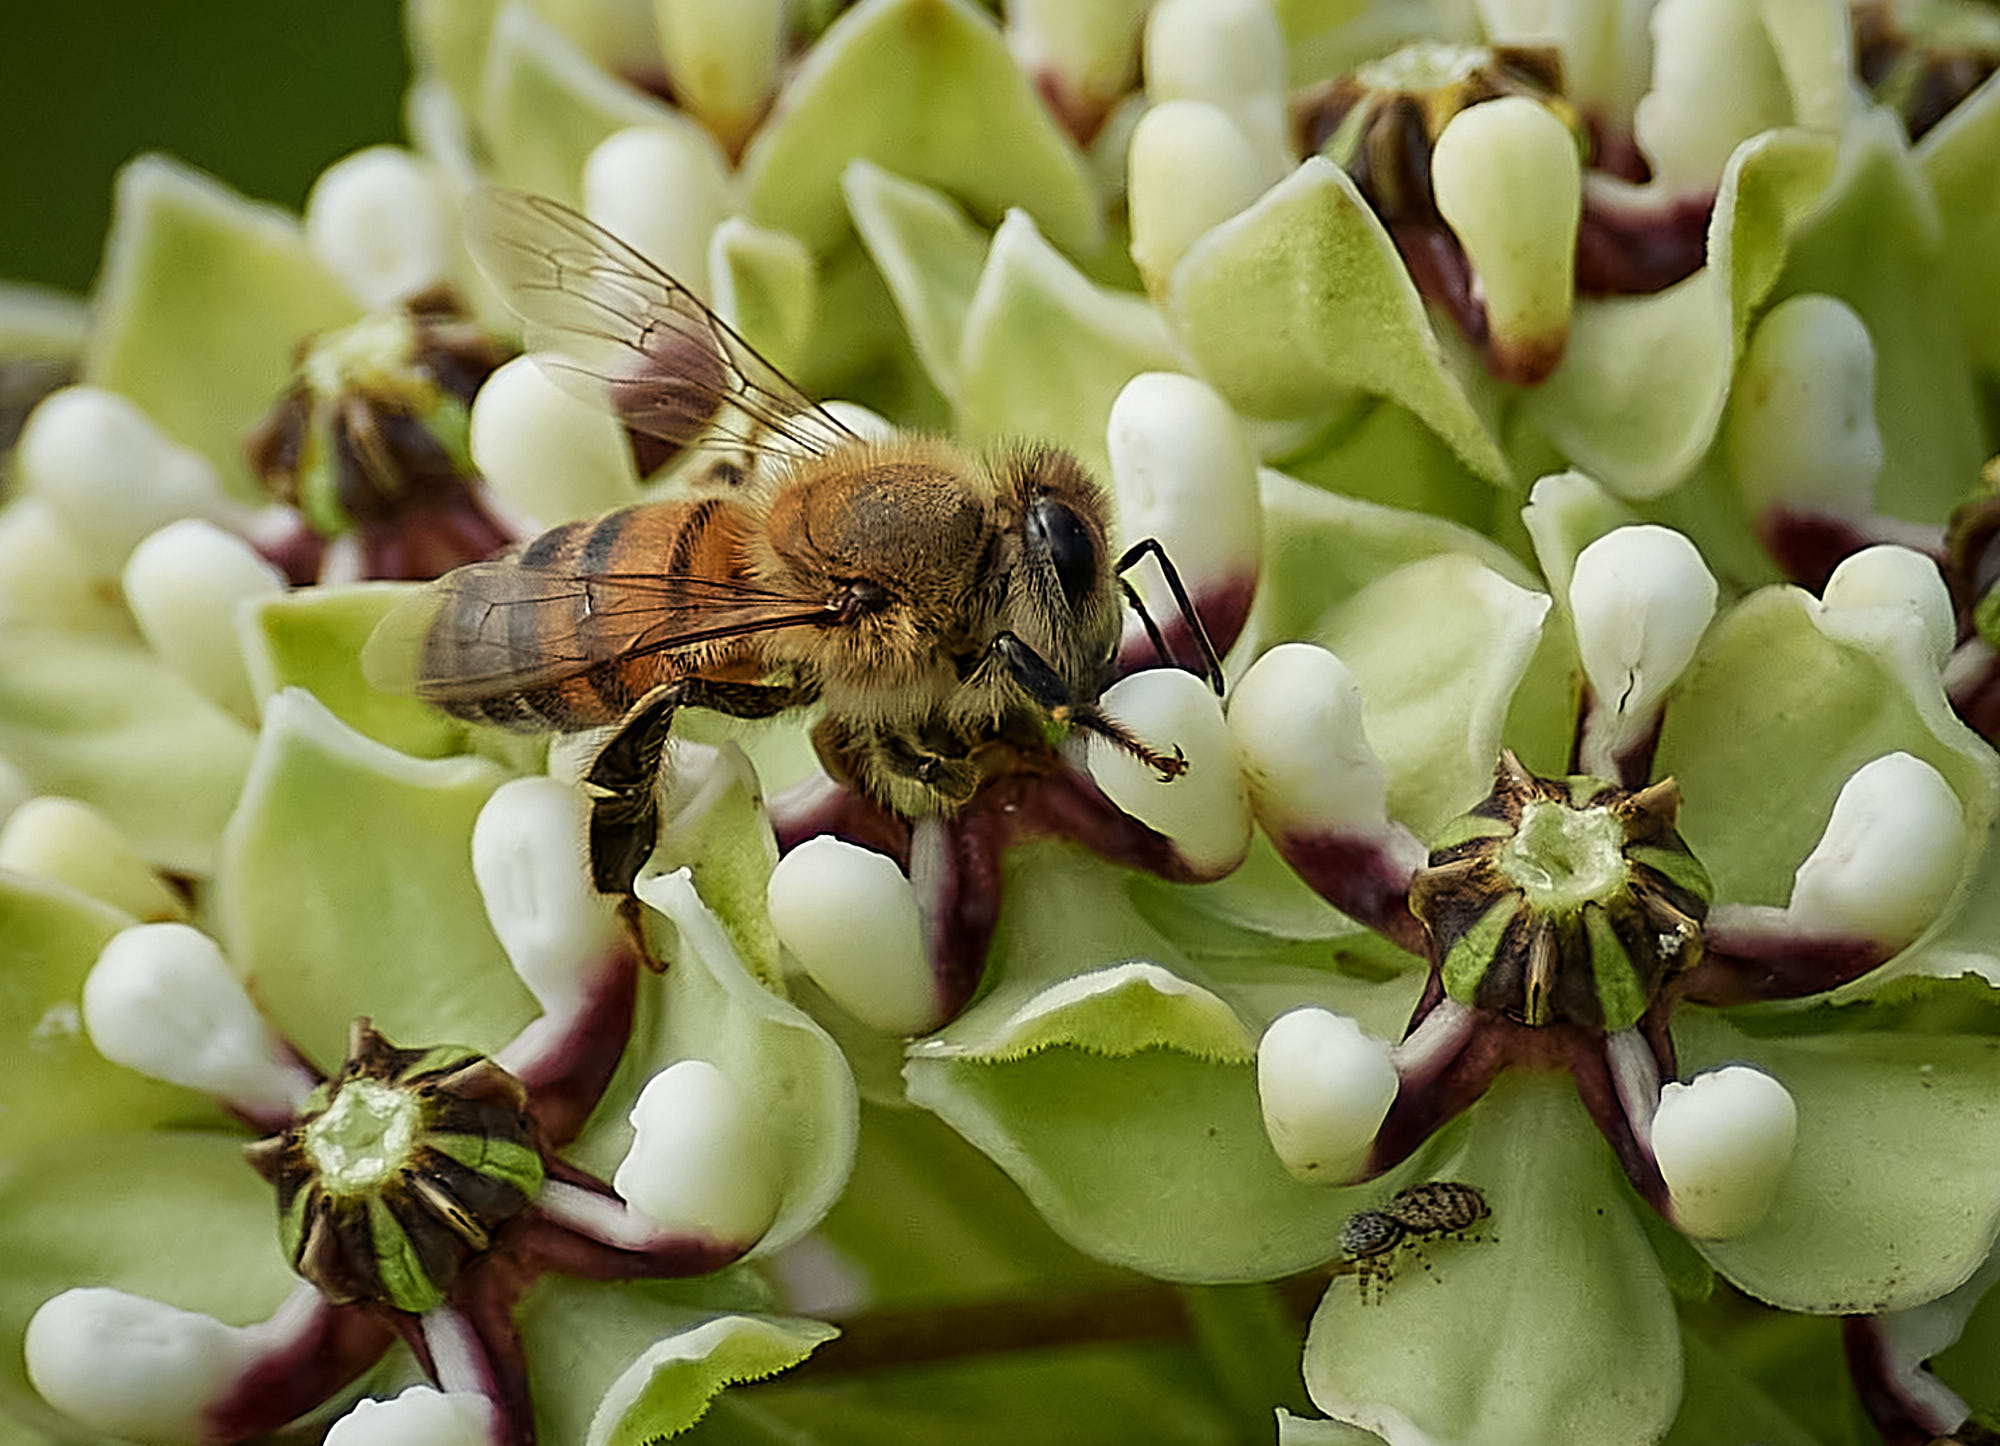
(625, 812)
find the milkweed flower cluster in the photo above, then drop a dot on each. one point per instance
(1567, 957)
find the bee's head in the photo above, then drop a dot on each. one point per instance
(1061, 594)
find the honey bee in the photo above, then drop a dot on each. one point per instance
(944, 608)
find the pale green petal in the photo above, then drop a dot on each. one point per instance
(1045, 350)
(201, 304)
(1551, 1326)
(1302, 298)
(1958, 158)
(544, 105)
(346, 889)
(794, 1081)
(172, 1215)
(1918, 1109)
(925, 87)
(115, 727)
(1641, 388)
(53, 1081)
(930, 254)
(669, 1387)
(1782, 704)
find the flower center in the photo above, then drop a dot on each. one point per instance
(364, 1138)
(1563, 858)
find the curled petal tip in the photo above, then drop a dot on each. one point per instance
(1723, 1142)
(850, 917)
(1296, 718)
(698, 1163)
(1905, 581)
(1802, 431)
(162, 1001)
(1205, 810)
(71, 842)
(1325, 1087)
(129, 1366)
(1890, 856)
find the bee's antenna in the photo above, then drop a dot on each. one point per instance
(1211, 665)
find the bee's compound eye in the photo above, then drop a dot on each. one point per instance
(1068, 545)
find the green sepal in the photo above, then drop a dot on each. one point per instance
(929, 253)
(404, 1282)
(504, 1160)
(671, 1384)
(1679, 866)
(292, 1223)
(1621, 994)
(203, 298)
(772, 285)
(1471, 955)
(1986, 616)
(926, 87)
(319, 483)
(1958, 159)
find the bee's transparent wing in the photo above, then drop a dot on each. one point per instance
(612, 327)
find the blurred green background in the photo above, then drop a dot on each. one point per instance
(263, 93)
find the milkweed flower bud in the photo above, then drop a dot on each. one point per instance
(185, 585)
(1723, 1142)
(128, 1366)
(698, 1163)
(1508, 182)
(1189, 169)
(1640, 599)
(1231, 54)
(552, 923)
(850, 917)
(1890, 856)
(1898, 578)
(74, 844)
(1297, 722)
(662, 191)
(552, 455)
(378, 221)
(1205, 811)
(1802, 421)
(1325, 1087)
(111, 475)
(419, 1416)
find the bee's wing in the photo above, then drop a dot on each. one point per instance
(498, 628)
(615, 328)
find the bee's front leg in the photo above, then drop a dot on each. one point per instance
(1042, 683)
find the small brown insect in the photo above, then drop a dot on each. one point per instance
(1370, 1237)
(943, 607)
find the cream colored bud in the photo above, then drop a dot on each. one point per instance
(1325, 1086)
(851, 919)
(74, 844)
(378, 220)
(698, 1161)
(186, 585)
(1206, 809)
(1189, 169)
(1723, 1142)
(1890, 857)
(552, 455)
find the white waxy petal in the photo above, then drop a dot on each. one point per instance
(1509, 182)
(1186, 477)
(661, 190)
(698, 1162)
(111, 475)
(161, 1000)
(722, 59)
(551, 455)
(71, 842)
(1889, 858)
(1230, 53)
(128, 1366)
(1903, 580)
(528, 856)
(1189, 169)
(851, 918)
(1802, 430)
(1325, 1086)
(1206, 810)
(185, 585)
(1716, 83)
(420, 1416)
(1640, 599)
(46, 578)
(1723, 1142)
(377, 219)
(1296, 718)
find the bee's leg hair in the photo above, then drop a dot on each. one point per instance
(1041, 683)
(1210, 663)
